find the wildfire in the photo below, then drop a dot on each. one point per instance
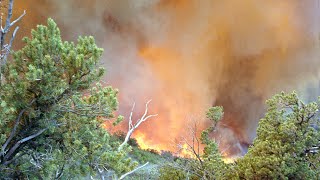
(229, 160)
(145, 143)
(195, 64)
(196, 53)
(184, 149)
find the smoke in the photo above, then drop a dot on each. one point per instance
(188, 55)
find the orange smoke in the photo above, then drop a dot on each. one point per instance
(188, 55)
(229, 53)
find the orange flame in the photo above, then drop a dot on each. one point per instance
(229, 160)
(185, 151)
(145, 143)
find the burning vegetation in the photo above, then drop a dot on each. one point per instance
(189, 56)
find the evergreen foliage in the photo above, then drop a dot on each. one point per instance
(287, 143)
(286, 146)
(48, 128)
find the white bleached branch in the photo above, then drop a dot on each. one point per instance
(132, 126)
(5, 48)
(136, 169)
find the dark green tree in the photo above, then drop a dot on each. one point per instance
(287, 142)
(48, 127)
(286, 147)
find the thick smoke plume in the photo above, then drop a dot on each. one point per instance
(188, 55)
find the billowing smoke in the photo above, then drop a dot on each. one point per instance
(188, 55)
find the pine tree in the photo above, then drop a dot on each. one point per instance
(48, 128)
(287, 142)
(286, 147)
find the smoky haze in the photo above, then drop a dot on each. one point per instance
(188, 55)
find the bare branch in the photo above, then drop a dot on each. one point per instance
(5, 48)
(100, 171)
(192, 149)
(8, 47)
(135, 126)
(13, 132)
(14, 159)
(146, 109)
(10, 7)
(15, 147)
(131, 113)
(136, 169)
(18, 19)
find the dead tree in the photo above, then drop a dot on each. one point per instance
(189, 146)
(136, 169)
(192, 144)
(5, 47)
(132, 126)
(131, 129)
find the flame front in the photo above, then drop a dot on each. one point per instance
(145, 143)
